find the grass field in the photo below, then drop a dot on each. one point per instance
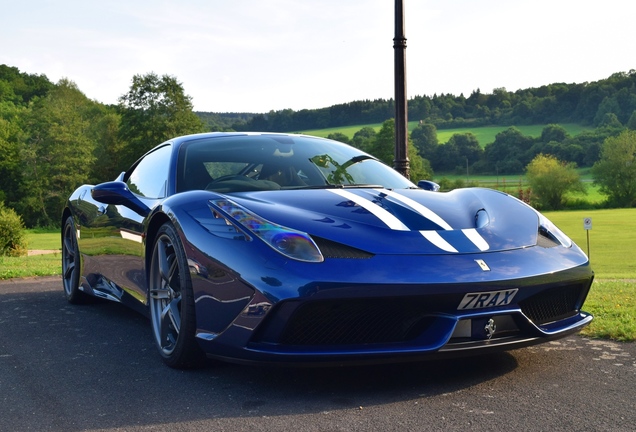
(612, 299)
(37, 265)
(484, 134)
(43, 240)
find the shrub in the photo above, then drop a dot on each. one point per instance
(12, 237)
(551, 180)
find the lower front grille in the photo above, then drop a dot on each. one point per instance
(353, 322)
(553, 304)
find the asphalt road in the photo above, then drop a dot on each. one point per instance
(94, 367)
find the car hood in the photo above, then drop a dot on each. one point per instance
(405, 221)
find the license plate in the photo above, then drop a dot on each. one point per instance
(487, 299)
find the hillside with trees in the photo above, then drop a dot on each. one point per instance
(53, 138)
(584, 103)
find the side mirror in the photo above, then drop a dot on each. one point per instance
(117, 193)
(428, 185)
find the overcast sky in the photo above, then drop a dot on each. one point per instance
(262, 55)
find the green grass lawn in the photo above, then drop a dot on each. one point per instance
(486, 134)
(612, 299)
(43, 239)
(38, 265)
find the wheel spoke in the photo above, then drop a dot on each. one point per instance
(170, 323)
(70, 268)
(163, 261)
(174, 314)
(69, 246)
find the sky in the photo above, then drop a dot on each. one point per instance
(261, 55)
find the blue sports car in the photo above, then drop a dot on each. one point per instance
(291, 249)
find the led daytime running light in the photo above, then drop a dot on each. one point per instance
(286, 241)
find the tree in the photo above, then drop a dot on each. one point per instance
(58, 155)
(631, 123)
(109, 147)
(384, 149)
(468, 147)
(551, 179)
(615, 172)
(339, 136)
(364, 138)
(11, 139)
(154, 110)
(553, 132)
(507, 154)
(424, 136)
(22, 88)
(607, 106)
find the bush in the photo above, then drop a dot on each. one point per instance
(12, 236)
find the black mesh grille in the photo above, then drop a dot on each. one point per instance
(552, 304)
(331, 249)
(351, 322)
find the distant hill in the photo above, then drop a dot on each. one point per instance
(588, 103)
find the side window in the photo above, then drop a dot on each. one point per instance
(149, 178)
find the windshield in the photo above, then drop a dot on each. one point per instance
(235, 163)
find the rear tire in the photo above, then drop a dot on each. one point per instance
(171, 301)
(71, 264)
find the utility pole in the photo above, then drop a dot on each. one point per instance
(401, 161)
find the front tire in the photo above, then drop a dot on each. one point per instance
(71, 263)
(171, 301)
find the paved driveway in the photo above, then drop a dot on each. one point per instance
(94, 367)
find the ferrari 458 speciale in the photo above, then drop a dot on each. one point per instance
(291, 249)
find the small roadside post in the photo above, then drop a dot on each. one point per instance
(587, 224)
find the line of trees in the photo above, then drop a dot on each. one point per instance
(585, 103)
(53, 138)
(511, 151)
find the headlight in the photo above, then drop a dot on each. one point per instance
(550, 230)
(286, 241)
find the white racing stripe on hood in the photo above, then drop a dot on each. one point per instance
(386, 217)
(437, 240)
(476, 238)
(421, 209)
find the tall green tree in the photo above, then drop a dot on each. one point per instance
(615, 172)
(22, 88)
(550, 181)
(11, 139)
(424, 136)
(631, 123)
(339, 136)
(507, 154)
(384, 149)
(58, 154)
(109, 147)
(364, 138)
(553, 132)
(154, 110)
(468, 147)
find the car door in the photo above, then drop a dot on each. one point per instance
(121, 256)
